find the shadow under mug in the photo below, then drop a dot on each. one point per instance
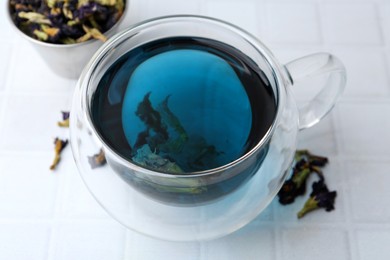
(206, 186)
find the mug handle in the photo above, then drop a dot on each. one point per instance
(328, 73)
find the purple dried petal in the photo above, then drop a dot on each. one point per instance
(65, 119)
(65, 115)
(72, 31)
(322, 195)
(319, 198)
(85, 11)
(29, 2)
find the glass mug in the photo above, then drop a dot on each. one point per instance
(214, 202)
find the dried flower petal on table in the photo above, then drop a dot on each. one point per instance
(58, 148)
(313, 160)
(320, 197)
(65, 119)
(294, 187)
(97, 160)
(305, 164)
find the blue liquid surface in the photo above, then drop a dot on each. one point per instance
(183, 105)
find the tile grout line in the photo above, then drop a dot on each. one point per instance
(63, 182)
(7, 82)
(278, 242)
(379, 23)
(353, 247)
(52, 241)
(320, 23)
(348, 214)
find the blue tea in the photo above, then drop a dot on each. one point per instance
(183, 105)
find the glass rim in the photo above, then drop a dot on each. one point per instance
(84, 84)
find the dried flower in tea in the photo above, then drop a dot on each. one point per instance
(97, 160)
(165, 145)
(320, 197)
(65, 119)
(58, 148)
(66, 21)
(146, 157)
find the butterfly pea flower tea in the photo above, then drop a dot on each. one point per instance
(183, 105)
(193, 113)
(191, 102)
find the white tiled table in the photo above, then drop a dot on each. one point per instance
(50, 215)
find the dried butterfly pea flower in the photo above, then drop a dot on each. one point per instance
(86, 10)
(66, 21)
(314, 160)
(50, 31)
(106, 2)
(65, 119)
(22, 8)
(320, 197)
(306, 163)
(58, 148)
(295, 186)
(41, 35)
(97, 160)
(67, 40)
(67, 11)
(91, 33)
(34, 17)
(52, 3)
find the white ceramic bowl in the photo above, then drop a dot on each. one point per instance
(66, 60)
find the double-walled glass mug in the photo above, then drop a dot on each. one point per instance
(212, 202)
